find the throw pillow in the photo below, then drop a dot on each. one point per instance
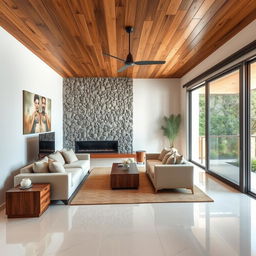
(163, 153)
(179, 159)
(45, 159)
(40, 167)
(166, 157)
(57, 156)
(171, 159)
(55, 166)
(174, 150)
(69, 156)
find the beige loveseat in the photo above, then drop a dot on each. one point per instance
(63, 185)
(168, 176)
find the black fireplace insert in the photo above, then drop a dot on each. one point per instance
(97, 146)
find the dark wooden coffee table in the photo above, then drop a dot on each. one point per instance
(122, 177)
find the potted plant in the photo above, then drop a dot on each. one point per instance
(171, 128)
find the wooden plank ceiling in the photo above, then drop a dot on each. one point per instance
(71, 35)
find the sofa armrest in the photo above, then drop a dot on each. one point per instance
(60, 182)
(81, 156)
(152, 156)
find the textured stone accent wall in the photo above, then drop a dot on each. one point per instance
(98, 109)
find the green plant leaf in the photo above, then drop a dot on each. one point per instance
(171, 128)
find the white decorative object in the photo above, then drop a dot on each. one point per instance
(25, 183)
(127, 162)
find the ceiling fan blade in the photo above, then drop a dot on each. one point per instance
(149, 62)
(113, 57)
(123, 68)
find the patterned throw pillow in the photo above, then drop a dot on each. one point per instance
(171, 159)
(166, 157)
(163, 153)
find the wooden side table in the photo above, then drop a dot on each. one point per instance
(140, 156)
(27, 203)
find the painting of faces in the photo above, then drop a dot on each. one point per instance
(36, 113)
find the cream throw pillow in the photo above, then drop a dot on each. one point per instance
(163, 153)
(166, 157)
(41, 166)
(55, 166)
(69, 156)
(57, 156)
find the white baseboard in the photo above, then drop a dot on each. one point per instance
(2, 206)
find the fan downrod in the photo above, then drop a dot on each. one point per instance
(129, 29)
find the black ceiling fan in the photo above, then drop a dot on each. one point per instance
(129, 59)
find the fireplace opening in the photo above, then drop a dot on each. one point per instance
(98, 146)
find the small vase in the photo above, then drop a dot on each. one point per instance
(26, 182)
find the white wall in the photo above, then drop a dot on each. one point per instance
(153, 99)
(21, 70)
(244, 37)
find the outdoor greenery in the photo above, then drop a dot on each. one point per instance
(171, 128)
(224, 124)
(253, 164)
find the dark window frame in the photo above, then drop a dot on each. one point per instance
(190, 124)
(244, 124)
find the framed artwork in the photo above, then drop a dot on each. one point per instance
(36, 113)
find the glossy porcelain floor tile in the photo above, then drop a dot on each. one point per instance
(225, 227)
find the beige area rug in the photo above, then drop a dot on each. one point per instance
(96, 190)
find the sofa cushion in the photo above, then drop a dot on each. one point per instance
(84, 164)
(57, 156)
(163, 153)
(151, 164)
(69, 156)
(55, 166)
(154, 161)
(41, 166)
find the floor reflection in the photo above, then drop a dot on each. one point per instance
(225, 227)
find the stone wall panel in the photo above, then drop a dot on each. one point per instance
(98, 109)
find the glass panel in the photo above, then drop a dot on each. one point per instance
(198, 125)
(224, 132)
(253, 127)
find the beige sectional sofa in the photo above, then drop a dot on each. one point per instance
(167, 176)
(64, 184)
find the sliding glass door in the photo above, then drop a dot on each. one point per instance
(197, 124)
(252, 82)
(224, 129)
(222, 125)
